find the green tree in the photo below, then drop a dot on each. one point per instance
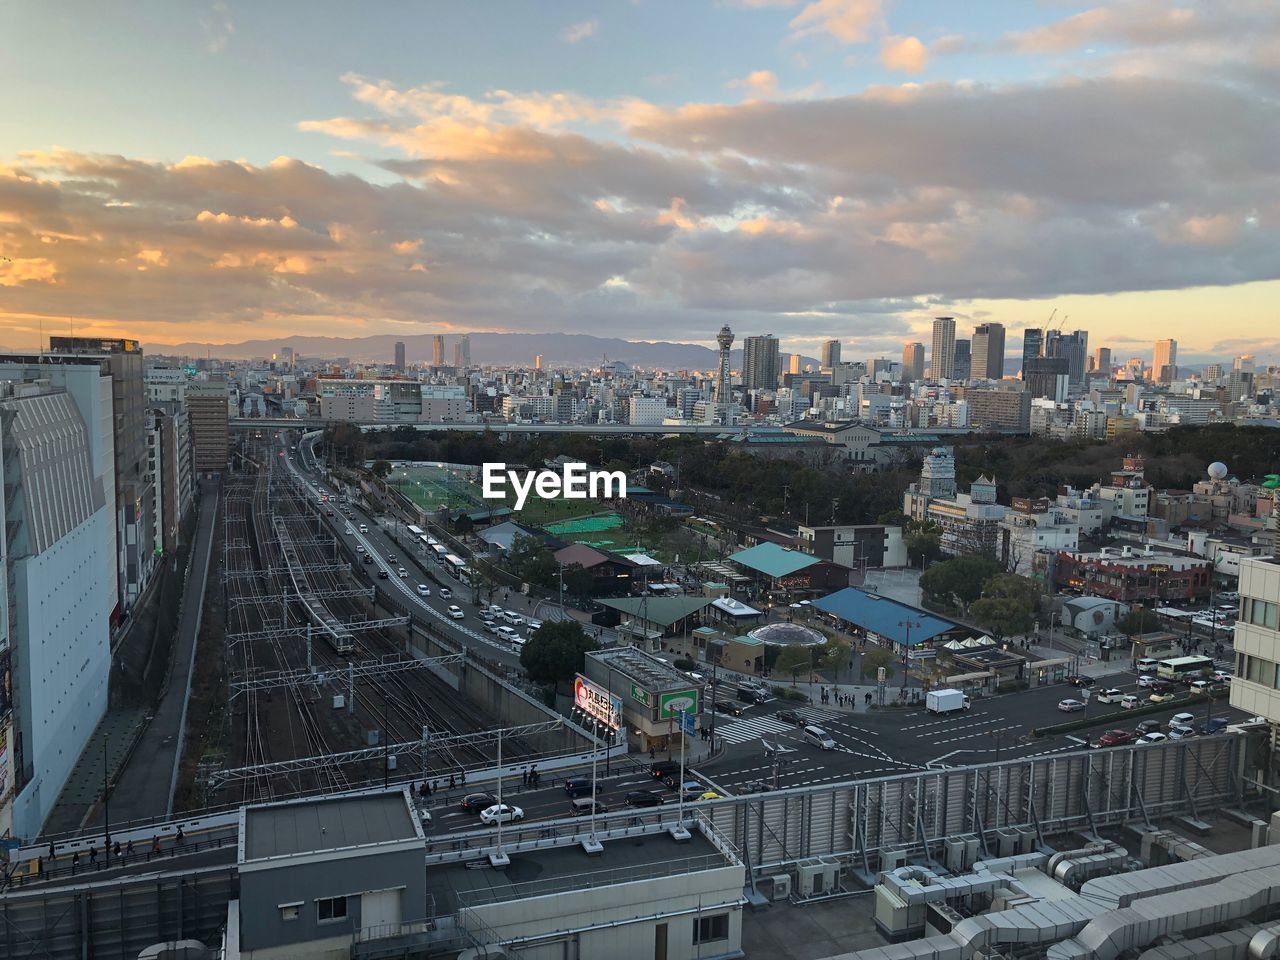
(555, 652)
(1138, 620)
(381, 469)
(835, 656)
(873, 660)
(958, 582)
(794, 660)
(1006, 607)
(531, 560)
(578, 582)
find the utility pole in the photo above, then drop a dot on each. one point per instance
(906, 649)
(106, 800)
(386, 742)
(834, 504)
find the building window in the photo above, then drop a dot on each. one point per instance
(1262, 613)
(331, 908)
(289, 911)
(711, 929)
(1261, 671)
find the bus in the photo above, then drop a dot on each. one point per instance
(440, 552)
(415, 530)
(1184, 668)
(454, 564)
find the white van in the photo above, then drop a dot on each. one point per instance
(364, 528)
(819, 738)
(1148, 665)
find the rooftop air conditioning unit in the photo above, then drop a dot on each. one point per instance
(893, 858)
(811, 877)
(781, 886)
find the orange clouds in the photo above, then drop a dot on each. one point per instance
(904, 54)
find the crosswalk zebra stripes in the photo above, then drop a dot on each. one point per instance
(740, 731)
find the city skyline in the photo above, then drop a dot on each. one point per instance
(574, 172)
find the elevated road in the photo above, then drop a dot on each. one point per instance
(597, 429)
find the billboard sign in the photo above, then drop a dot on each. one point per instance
(672, 703)
(641, 696)
(597, 702)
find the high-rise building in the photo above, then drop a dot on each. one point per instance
(1032, 346)
(913, 361)
(57, 589)
(400, 364)
(1102, 360)
(437, 350)
(988, 351)
(760, 362)
(1072, 347)
(830, 353)
(1047, 377)
(1245, 363)
(1164, 361)
(942, 360)
(462, 352)
(962, 365)
(122, 360)
(537, 362)
(1257, 639)
(724, 393)
(1213, 372)
(207, 411)
(794, 364)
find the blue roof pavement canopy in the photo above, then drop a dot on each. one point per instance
(773, 560)
(882, 616)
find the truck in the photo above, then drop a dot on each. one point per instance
(946, 701)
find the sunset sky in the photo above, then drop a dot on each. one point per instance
(642, 168)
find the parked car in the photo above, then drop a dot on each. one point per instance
(424, 590)
(1070, 705)
(581, 787)
(582, 806)
(1154, 737)
(1111, 695)
(1079, 680)
(1182, 733)
(501, 813)
(1129, 702)
(1149, 726)
(643, 798)
(1115, 738)
(1183, 720)
(1214, 725)
(475, 802)
(456, 612)
(1161, 696)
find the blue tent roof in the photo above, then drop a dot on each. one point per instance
(882, 615)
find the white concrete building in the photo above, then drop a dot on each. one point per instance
(1033, 527)
(647, 411)
(1256, 688)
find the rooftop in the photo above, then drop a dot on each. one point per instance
(663, 611)
(311, 826)
(642, 667)
(549, 871)
(773, 560)
(884, 616)
(735, 608)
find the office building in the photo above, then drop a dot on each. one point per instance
(942, 359)
(760, 362)
(1072, 347)
(537, 362)
(462, 352)
(391, 401)
(58, 592)
(999, 409)
(988, 352)
(830, 354)
(1102, 360)
(793, 365)
(207, 409)
(1046, 377)
(400, 364)
(1032, 346)
(1256, 687)
(437, 350)
(962, 365)
(1213, 372)
(1164, 361)
(913, 362)
(169, 466)
(649, 411)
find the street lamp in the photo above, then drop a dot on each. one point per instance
(906, 649)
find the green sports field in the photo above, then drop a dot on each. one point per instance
(458, 488)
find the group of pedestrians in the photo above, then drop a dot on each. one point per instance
(531, 777)
(112, 853)
(429, 787)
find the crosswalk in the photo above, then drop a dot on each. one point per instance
(749, 728)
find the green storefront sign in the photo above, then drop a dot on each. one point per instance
(640, 696)
(670, 704)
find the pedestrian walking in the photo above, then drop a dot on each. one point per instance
(116, 850)
(128, 849)
(451, 781)
(524, 777)
(52, 855)
(651, 753)
(179, 838)
(93, 855)
(155, 844)
(75, 861)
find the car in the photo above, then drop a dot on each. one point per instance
(1215, 725)
(1182, 733)
(710, 795)
(391, 559)
(790, 716)
(1182, 720)
(1149, 680)
(501, 813)
(475, 802)
(1115, 738)
(1149, 726)
(533, 625)
(512, 617)
(517, 643)
(1078, 680)
(350, 532)
(366, 559)
(495, 612)
(1111, 695)
(1070, 705)
(726, 706)
(692, 790)
(1221, 676)
(424, 590)
(581, 786)
(383, 575)
(819, 737)
(456, 612)
(1201, 688)
(1154, 737)
(505, 632)
(359, 548)
(446, 593)
(1129, 702)
(1161, 696)
(489, 626)
(328, 513)
(404, 574)
(584, 806)
(663, 769)
(644, 798)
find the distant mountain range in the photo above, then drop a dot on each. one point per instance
(556, 349)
